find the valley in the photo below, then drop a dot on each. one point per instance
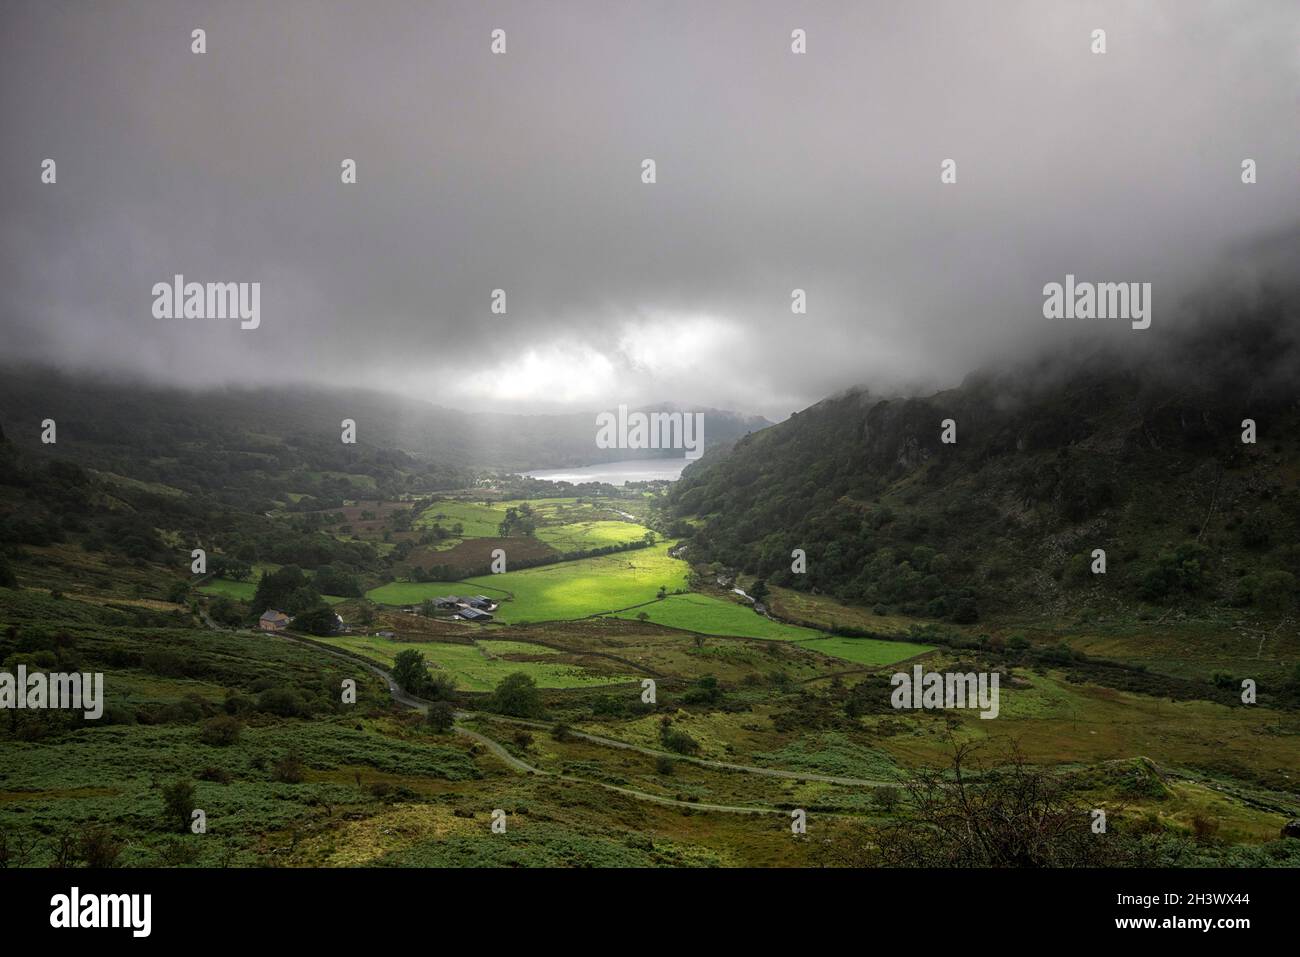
(382, 650)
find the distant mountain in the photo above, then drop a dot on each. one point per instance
(98, 416)
(1141, 457)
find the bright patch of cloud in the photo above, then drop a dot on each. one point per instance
(547, 374)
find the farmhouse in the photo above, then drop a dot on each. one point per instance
(273, 620)
(457, 603)
(473, 614)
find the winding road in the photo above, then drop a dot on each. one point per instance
(496, 748)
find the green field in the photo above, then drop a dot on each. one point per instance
(477, 521)
(244, 591)
(561, 522)
(579, 536)
(480, 667)
(240, 591)
(588, 586)
(717, 616)
(567, 590)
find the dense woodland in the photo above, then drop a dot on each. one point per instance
(1144, 459)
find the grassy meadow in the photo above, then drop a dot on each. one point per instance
(481, 665)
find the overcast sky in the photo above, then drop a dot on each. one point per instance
(523, 171)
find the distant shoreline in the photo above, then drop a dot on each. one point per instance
(616, 473)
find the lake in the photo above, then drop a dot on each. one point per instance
(618, 473)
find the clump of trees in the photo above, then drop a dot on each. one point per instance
(1179, 571)
(518, 521)
(287, 589)
(706, 690)
(517, 695)
(412, 674)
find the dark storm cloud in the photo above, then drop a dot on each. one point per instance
(522, 172)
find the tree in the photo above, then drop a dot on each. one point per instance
(410, 670)
(178, 802)
(1009, 815)
(365, 613)
(286, 588)
(887, 798)
(1275, 590)
(16, 848)
(441, 716)
(224, 611)
(317, 620)
(518, 521)
(334, 580)
(758, 590)
(517, 695)
(439, 686)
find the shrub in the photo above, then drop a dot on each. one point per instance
(100, 848)
(177, 853)
(674, 739)
(1204, 829)
(705, 691)
(178, 802)
(280, 701)
(221, 731)
(887, 798)
(165, 662)
(288, 768)
(117, 714)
